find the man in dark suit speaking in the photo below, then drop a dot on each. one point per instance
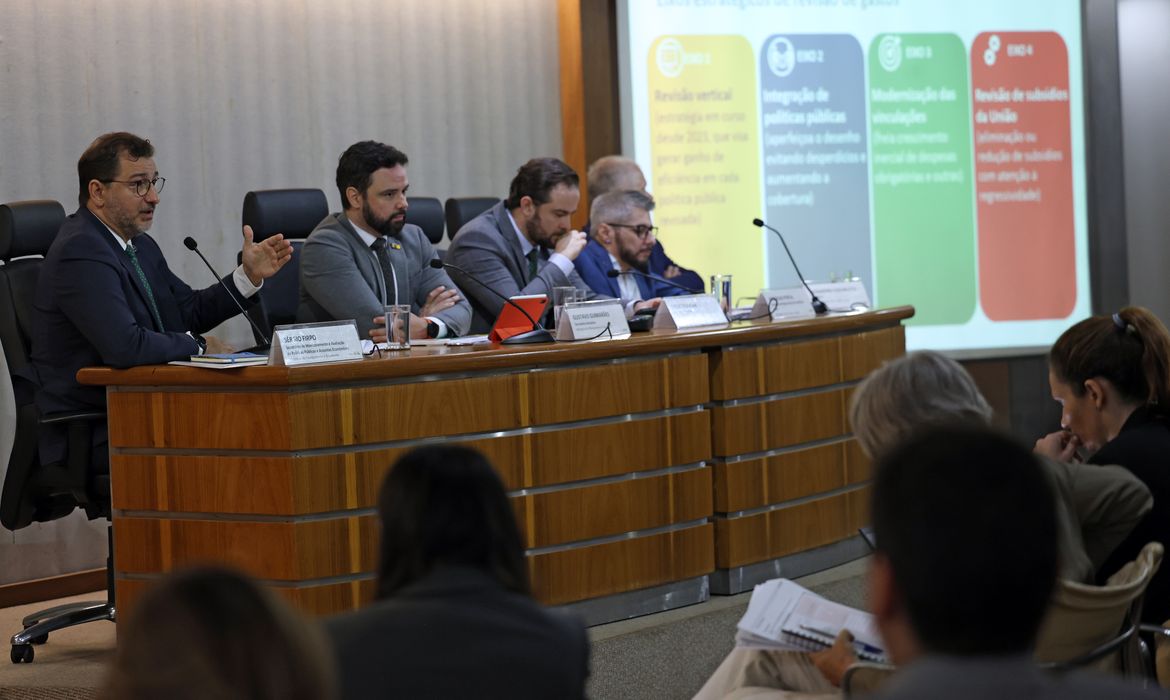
(105, 295)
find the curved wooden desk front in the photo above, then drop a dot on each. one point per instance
(632, 463)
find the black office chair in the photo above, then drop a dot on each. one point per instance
(427, 214)
(295, 213)
(460, 210)
(36, 492)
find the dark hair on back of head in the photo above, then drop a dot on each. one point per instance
(967, 520)
(446, 505)
(1131, 349)
(213, 633)
(538, 177)
(357, 165)
(100, 160)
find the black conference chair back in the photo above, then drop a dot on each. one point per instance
(34, 492)
(460, 210)
(427, 214)
(295, 213)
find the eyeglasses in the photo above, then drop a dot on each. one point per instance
(141, 187)
(641, 230)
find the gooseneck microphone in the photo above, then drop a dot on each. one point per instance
(656, 278)
(818, 306)
(263, 347)
(538, 334)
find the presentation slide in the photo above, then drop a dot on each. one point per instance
(933, 150)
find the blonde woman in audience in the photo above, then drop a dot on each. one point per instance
(212, 633)
(1111, 375)
(454, 616)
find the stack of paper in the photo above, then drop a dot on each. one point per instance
(785, 615)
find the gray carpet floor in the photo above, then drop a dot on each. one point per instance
(661, 656)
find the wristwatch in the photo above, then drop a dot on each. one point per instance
(201, 341)
(432, 329)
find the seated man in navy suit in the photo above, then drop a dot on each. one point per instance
(623, 237)
(610, 173)
(105, 295)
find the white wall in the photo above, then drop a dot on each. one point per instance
(1144, 53)
(239, 95)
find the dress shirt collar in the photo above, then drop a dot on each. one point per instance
(525, 244)
(367, 237)
(121, 241)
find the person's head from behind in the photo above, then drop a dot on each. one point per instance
(445, 505)
(613, 173)
(371, 178)
(212, 633)
(916, 390)
(622, 225)
(1104, 367)
(542, 198)
(118, 181)
(966, 556)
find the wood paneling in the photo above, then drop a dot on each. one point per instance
(614, 389)
(767, 425)
(280, 551)
(755, 538)
(53, 587)
(626, 565)
(609, 509)
(324, 599)
(754, 483)
(572, 95)
(861, 353)
(858, 467)
(773, 369)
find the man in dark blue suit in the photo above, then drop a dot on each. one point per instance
(622, 239)
(613, 173)
(105, 295)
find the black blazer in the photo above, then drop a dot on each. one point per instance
(90, 308)
(1143, 447)
(457, 634)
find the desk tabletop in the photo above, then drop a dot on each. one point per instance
(443, 359)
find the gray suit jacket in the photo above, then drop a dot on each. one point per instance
(487, 247)
(999, 678)
(341, 278)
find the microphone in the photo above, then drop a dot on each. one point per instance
(538, 334)
(263, 347)
(818, 306)
(656, 278)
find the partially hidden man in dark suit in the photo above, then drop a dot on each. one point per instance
(623, 238)
(615, 173)
(105, 295)
(359, 261)
(454, 617)
(959, 589)
(523, 245)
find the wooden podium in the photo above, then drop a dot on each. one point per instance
(637, 467)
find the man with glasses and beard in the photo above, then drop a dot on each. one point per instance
(105, 295)
(523, 245)
(623, 239)
(367, 257)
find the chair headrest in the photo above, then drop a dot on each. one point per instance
(460, 210)
(28, 228)
(295, 213)
(427, 214)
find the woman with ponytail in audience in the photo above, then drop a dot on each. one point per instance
(1111, 375)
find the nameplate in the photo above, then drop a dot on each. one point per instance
(842, 296)
(793, 302)
(602, 319)
(689, 311)
(310, 343)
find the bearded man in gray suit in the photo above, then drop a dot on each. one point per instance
(523, 245)
(366, 257)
